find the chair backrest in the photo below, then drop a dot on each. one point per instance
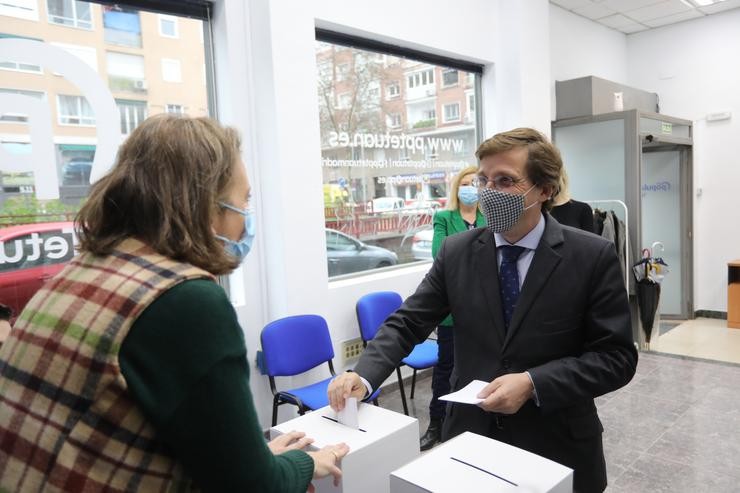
(293, 345)
(373, 309)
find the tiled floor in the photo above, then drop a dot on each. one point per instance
(675, 427)
(706, 338)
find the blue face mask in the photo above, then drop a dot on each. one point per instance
(467, 194)
(240, 249)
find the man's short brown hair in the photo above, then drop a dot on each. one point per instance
(544, 163)
(164, 190)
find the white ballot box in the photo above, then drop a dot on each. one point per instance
(385, 441)
(471, 462)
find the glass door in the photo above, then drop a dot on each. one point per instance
(665, 213)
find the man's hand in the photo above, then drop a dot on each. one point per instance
(295, 440)
(344, 386)
(506, 394)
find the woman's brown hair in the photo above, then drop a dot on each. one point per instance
(164, 190)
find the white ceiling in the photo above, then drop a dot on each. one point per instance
(631, 16)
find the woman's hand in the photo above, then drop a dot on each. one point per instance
(295, 440)
(325, 461)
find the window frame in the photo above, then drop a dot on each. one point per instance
(38, 68)
(13, 8)
(393, 94)
(171, 18)
(131, 104)
(422, 94)
(80, 116)
(75, 19)
(444, 112)
(457, 77)
(391, 121)
(23, 117)
(169, 106)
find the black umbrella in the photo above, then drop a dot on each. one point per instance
(648, 296)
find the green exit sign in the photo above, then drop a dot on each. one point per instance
(666, 128)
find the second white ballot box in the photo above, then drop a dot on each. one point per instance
(384, 442)
(471, 462)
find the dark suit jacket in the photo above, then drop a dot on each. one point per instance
(446, 223)
(570, 330)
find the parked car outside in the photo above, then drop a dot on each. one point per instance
(346, 254)
(29, 255)
(421, 246)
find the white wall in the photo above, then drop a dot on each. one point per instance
(693, 66)
(580, 47)
(266, 82)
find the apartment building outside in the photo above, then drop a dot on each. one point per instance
(391, 126)
(151, 63)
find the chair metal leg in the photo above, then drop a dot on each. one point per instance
(413, 383)
(274, 410)
(403, 392)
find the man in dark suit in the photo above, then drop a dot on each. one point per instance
(540, 312)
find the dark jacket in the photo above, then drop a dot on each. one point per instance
(570, 330)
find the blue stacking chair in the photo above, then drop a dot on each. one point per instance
(372, 310)
(294, 345)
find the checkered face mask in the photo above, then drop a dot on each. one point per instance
(502, 210)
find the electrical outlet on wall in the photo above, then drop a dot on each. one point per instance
(351, 349)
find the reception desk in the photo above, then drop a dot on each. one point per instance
(733, 294)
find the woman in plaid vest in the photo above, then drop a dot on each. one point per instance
(128, 370)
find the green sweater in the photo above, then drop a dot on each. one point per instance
(185, 363)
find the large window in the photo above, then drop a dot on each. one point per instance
(132, 113)
(19, 117)
(74, 110)
(387, 161)
(19, 66)
(452, 112)
(122, 26)
(126, 72)
(70, 13)
(125, 48)
(449, 77)
(21, 9)
(168, 26)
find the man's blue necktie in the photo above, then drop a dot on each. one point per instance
(509, 279)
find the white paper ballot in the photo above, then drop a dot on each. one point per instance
(467, 394)
(348, 415)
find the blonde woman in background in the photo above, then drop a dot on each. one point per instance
(462, 214)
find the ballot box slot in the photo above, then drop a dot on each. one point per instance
(336, 421)
(485, 471)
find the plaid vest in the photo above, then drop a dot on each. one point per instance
(67, 422)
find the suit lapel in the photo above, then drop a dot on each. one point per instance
(486, 267)
(544, 262)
